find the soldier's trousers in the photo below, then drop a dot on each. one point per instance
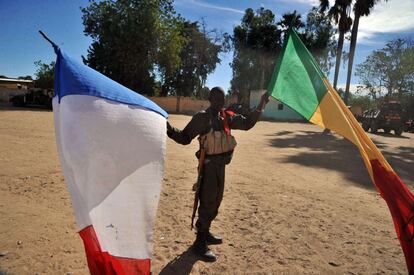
(211, 194)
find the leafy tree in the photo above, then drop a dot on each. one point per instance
(373, 92)
(132, 39)
(407, 102)
(203, 93)
(27, 77)
(44, 75)
(198, 58)
(318, 36)
(390, 68)
(365, 101)
(256, 42)
(316, 33)
(340, 13)
(290, 19)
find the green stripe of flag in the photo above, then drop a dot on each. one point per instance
(297, 80)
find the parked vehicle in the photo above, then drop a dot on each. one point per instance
(409, 126)
(33, 97)
(388, 117)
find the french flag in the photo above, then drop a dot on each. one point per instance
(111, 143)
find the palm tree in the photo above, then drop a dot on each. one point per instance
(340, 12)
(361, 8)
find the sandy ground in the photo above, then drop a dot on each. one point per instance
(296, 201)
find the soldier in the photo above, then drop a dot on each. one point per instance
(216, 149)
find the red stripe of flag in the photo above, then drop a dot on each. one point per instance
(100, 262)
(400, 201)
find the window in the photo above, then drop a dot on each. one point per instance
(280, 106)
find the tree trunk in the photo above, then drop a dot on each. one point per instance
(352, 47)
(338, 57)
(262, 77)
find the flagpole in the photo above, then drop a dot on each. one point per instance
(48, 39)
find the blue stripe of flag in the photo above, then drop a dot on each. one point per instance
(75, 78)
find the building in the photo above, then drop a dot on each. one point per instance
(10, 87)
(274, 110)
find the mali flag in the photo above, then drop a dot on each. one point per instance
(299, 83)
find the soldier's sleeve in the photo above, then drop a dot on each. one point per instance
(194, 128)
(240, 122)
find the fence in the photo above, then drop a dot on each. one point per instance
(181, 105)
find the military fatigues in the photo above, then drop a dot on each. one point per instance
(212, 185)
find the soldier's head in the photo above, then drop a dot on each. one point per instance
(216, 98)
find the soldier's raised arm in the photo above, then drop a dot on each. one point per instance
(245, 123)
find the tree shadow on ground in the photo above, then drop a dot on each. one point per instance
(283, 133)
(182, 264)
(7, 107)
(402, 161)
(390, 135)
(329, 151)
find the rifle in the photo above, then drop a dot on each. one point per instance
(197, 185)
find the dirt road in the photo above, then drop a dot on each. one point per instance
(296, 201)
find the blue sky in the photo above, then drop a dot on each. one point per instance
(21, 45)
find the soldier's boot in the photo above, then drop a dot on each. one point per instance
(201, 249)
(213, 239)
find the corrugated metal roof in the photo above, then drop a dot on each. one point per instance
(15, 80)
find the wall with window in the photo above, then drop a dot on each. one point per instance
(274, 109)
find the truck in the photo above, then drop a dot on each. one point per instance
(389, 116)
(33, 98)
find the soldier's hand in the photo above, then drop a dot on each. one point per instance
(169, 127)
(265, 98)
(263, 101)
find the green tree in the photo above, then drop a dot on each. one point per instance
(407, 102)
(365, 101)
(203, 93)
(44, 74)
(340, 13)
(133, 40)
(316, 33)
(256, 42)
(27, 77)
(198, 58)
(318, 36)
(390, 69)
(290, 19)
